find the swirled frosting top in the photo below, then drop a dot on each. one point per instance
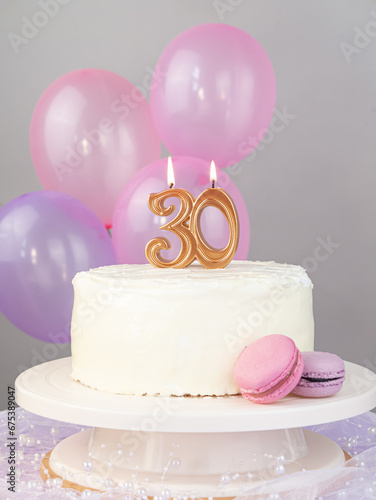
(241, 272)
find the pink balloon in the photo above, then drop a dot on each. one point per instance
(134, 224)
(90, 132)
(213, 94)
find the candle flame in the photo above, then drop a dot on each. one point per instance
(213, 173)
(170, 173)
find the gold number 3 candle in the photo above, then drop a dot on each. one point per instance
(187, 225)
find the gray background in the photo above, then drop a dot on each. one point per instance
(311, 182)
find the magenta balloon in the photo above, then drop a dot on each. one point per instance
(90, 132)
(213, 94)
(134, 224)
(46, 237)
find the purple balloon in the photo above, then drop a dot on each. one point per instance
(46, 237)
(134, 224)
(213, 94)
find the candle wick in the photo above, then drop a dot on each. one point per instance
(213, 184)
(171, 185)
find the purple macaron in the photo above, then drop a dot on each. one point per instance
(323, 375)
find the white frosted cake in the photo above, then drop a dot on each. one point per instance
(146, 331)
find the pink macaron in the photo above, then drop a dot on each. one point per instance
(323, 375)
(268, 369)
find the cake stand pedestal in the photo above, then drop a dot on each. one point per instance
(202, 447)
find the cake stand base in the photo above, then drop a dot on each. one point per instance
(197, 465)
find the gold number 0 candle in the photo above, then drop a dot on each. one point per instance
(187, 226)
(208, 256)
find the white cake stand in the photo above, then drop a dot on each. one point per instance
(203, 447)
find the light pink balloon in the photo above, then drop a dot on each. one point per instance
(90, 132)
(213, 94)
(134, 224)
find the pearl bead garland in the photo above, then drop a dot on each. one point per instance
(354, 435)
